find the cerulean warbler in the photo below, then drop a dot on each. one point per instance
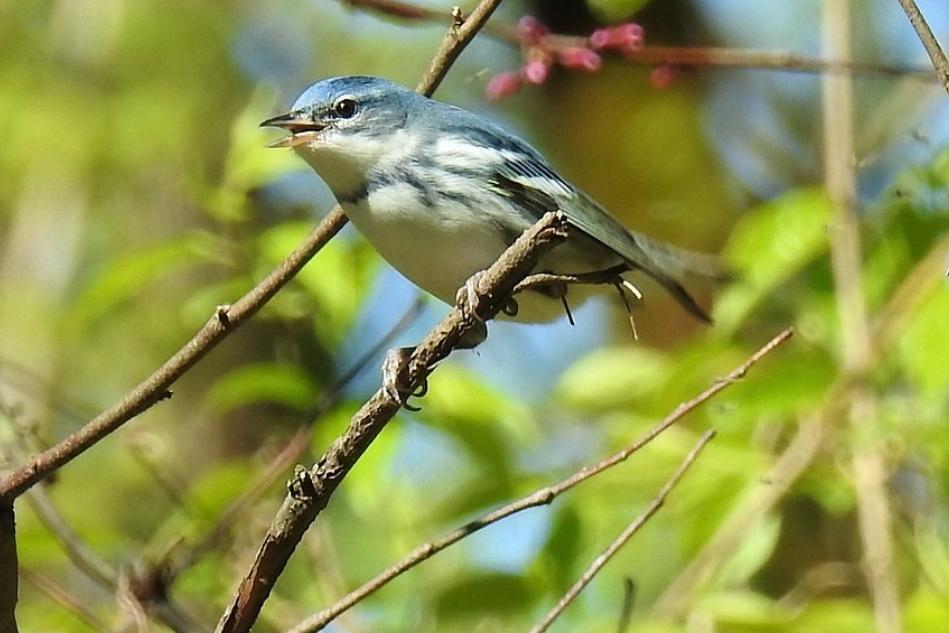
(440, 192)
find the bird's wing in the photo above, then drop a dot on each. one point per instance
(538, 189)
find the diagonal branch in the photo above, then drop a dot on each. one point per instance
(936, 54)
(157, 386)
(310, 491)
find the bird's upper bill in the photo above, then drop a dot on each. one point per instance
(303, 129)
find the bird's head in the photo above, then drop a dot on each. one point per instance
(344, 126)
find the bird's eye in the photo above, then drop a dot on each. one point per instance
(345, 107)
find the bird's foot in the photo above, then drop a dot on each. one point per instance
(468, 298)
(393, 383)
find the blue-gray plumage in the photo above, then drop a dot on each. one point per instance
(441, 192)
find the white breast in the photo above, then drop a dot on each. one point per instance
(436, 247)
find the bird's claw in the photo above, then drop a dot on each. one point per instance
(392, 378)
(468, 298)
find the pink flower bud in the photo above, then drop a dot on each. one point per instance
(536, 70)
(579, 57)
(531, 29)
(602, 38)
(503, 85)
(630, 34)
(662, 76)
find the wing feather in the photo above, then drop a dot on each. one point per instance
(538, 189)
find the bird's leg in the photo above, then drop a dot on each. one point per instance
(622, 288)
(468, 299)
(609, 276)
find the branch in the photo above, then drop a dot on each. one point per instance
(600, 561)
(458, 37)
(310, 491)
(716, 58)
(156, 387)
(936, 54)
(9, 568)
(544, 496)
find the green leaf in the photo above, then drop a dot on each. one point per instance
(562, 549)
(249, 163)
(482, 595)
(926, 611)
(613, 377)
(615, 10)
(742, 608)
(756, 546)
(133, 274)
(259, 383)
(923, 348)
(768, 247)
(338, 278)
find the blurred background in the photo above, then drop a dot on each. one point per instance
(136, 194)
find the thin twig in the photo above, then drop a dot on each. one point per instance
(459, 36)
(609, 276)
(696, 57)
(538, 498)
(936, 54)
(600, 561)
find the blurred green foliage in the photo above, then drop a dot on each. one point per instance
(136, 195)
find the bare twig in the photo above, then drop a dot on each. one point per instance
(311, 491)
(600, 561)
(540, 497)
(609, 276)
(459, 36)
(936, 54)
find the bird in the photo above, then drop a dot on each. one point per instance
(440, 192)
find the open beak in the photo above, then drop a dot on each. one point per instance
(302, 130)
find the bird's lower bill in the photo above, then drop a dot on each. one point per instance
(304, 137)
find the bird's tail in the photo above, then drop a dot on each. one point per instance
(668, 264)
(679, 262)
